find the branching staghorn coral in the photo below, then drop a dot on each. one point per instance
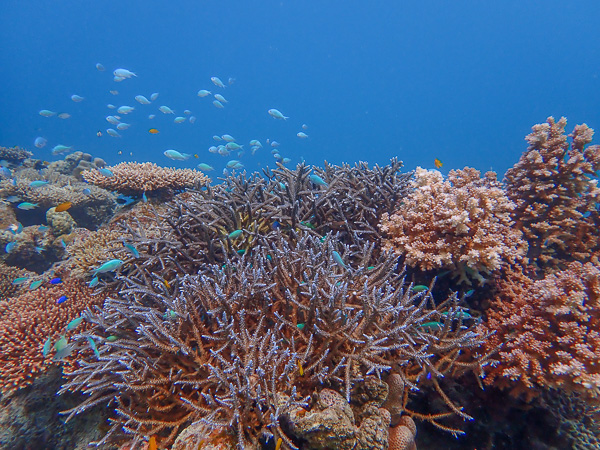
(555, 192)
(196, 229)
(550, 330)
(136, 178)
(243, 342)
(462, 224)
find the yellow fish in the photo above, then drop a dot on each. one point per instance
(63, 206)
(196, 155)
(300, 369)
(279, 442)
(152, 443)
(153, 131)
(438, 163)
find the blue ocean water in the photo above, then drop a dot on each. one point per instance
(461, 81)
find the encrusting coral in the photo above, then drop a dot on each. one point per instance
(555, 192)
(460, 224)
(137, 178)
(31, 319)
(550, 331)
(14, 155)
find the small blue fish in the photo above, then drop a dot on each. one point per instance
(276, 225)
(62, 299)
(109, 266)
(235, 234)
(94, 282)
(93, 346)
(55, 281)
(39, 249)
(10, 247)
(74, 323)
(15, 228)
(38, 183)
(47, 347)
(144, 198)
(87, 191)
(13, 199)
(36, 284)
(20, 280)
(26, 206)
(586, 214)
(125, 200)
(338, 259)
(106, 172)
(316, 179)
(43, 228)
(132, 249)
(63, 243)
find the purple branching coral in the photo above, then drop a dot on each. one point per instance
(239, 345)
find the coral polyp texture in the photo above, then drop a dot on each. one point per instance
(14, 155)
(550, 331)
(28, 321)
(460, 224)
(555, 191)
(136, 178)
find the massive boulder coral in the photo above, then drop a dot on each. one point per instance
(460, 224)
(555, 191)
(137, 178)
(550, 331)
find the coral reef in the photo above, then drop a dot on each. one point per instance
(550, 331)
(555, 192)
(14, 155)
(462, 224)
(252, 337)
(91, 205)
(7, 275)
(136, 178)
(75, 163)
(28, 321)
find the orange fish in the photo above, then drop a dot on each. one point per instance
(196, 155)
(152, 444)
(63, 206)
(153, 131)
(279, 442)
(438, 163)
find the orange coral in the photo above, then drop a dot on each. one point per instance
(551, 332)
(555, 194)
(462, 224)
(27, 321)
(131, 177)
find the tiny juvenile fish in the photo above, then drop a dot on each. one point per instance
(94, 282)
(62, 299)
(47, 113)
(56, 280)
(77, 98)
(302, 135)
(100, 67)
(218, 104)
(179, 119)
(26, 206)
(47, 347)
(64, 115)
(154, 96)
(153, 131)
(235, 234)
(144, 198)
(419, 288)
(132, 249)
(93, 346)
(113, 133)
(125, 109)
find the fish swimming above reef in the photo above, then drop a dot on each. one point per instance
(77, 98)
(123, 73)
(179, 119)
(154, 96)
(142, 100)
(100, 67)
(302, 135)
(38, 183)
(108, 266)
(217, 82)
(125, 109)
(203, 93)
(218, 104)
(316, 179)
(47, 113)
(277, 114)
(205, 167)
(221, 98)
(26, 206)
(112, 132)
(165, 110)
(58, 149)
(175, 155)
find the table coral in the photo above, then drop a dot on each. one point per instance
(550, 329)
(136, 178)
(27, 321)
(461, 224)
(554, 189)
